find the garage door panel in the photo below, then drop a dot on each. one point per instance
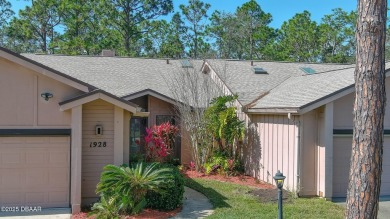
(11, 199)
(36, 198)
(58, 158)
(36, 178)
(34, 171)
(342, 147)
(11, 179)
(14, 157)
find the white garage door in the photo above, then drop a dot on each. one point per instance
(341, 160)
(34, 171)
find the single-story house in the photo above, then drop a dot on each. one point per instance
(64, 117)
(300, 116)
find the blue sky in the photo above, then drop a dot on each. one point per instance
(281, 10)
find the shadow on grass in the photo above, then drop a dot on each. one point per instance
(216, 199)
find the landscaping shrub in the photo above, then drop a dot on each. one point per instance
(126, 187)
(173, 195)
(107, 208)
(220, 163)
(159, 141)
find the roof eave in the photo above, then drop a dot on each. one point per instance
(99, 94)
(277, 110)
(45, 70)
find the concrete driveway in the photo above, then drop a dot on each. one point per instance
(46, 213)
(384, 209)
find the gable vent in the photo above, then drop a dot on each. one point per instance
(258, 70)
(308, 70)
(185, 63)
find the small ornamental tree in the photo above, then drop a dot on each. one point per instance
(159, 141)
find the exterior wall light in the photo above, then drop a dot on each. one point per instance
(46, 95)
(279, 180)
(99, 130)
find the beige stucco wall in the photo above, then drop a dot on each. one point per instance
(271, 147)
(22, 105)
(97, 112)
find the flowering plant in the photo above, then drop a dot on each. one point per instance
(159, 141)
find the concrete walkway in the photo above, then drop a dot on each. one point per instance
(195, 205)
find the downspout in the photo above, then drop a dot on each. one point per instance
(297, 167)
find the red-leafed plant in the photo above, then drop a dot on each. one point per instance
(159, 141)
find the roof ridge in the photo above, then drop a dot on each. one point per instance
(332, 70)
(275, 61)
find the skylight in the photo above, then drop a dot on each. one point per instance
(258, 70)
(185, 63)
(308, 70)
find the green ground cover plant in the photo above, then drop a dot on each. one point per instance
(235, 201)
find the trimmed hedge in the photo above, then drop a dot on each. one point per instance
(173, 195)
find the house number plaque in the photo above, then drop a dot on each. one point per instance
(98, 144)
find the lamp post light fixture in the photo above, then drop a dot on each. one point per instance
(279, 180)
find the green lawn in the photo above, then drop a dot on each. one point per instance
(233, 201)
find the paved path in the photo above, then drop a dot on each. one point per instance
(384, 209)
(195, 205)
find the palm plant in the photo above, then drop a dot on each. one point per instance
(107, 208)
(130, 184)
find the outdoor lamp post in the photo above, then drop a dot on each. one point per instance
(279, 180)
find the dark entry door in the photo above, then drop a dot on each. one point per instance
(137, 137)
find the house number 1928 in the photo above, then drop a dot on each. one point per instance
(99, 144)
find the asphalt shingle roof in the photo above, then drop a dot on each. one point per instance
(118, 76)
(285, 85)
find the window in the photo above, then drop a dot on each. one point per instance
(185, 63)
(160, 119)
(308, 70)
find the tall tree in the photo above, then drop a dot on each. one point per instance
(253, 24)
(82, 27)
(298, 40)
(165, 39)
(127, 16)
(173, 47)
(337, 36)
(195, 13)
(5, 14)
(370, 100)
(38, 22)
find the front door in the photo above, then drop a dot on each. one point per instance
(138, 127)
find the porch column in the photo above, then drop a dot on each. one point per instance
(328, 141)
(76, 144)
(118, 136)
(126, 137)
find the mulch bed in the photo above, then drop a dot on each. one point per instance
(145, 214)
(240, 179)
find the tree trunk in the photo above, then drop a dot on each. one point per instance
(369, 109)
